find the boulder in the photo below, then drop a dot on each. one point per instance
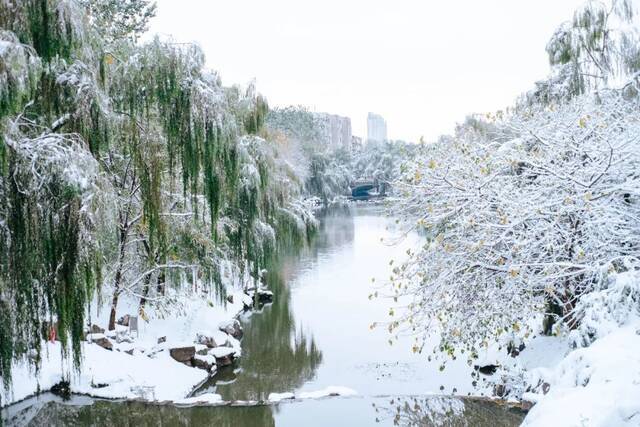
(62, 389)
(120, 338)
(203, 351)
(206, 338)
(260, 295)
(101, 340)
(183, 354)
(232, 327)
(124, 320)
(95, 329)
(162, 339)
(499, 390)
(230, 299)
(204, 362)
(224, 355)
(487, 369)
(265, 296)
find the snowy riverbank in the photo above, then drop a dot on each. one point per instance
(597, 382)
(140, 366)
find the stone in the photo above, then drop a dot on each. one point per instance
(500, 390)
(545, 388)
(130, 351)
(183, 354)
(232, 328)
(62, 389)
(103, 342)
(162, 339)
(204, 362)
(95, 329)
(526, 405)
(487, 369)
(230, 299)
(224, 355)
(124, 320)
(202, 351)
(123, 338)
(206, 338)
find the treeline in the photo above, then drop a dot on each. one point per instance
(326, 171)
(125, 169)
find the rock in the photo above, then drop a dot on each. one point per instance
(265, 296)
(260, 295)
(204, 362)
(100, 340)
(183, 354)
(526, 405)
(95, 329)
(130, 351)
(230, 299)
(62, 389)
(123, 338)
(206, 338)
(545, 388)
(224, 355)
(500, 390)
(124, 320)
(162, 339)
(514, 350)
(202, 351)
(487, 369)
(232, 328)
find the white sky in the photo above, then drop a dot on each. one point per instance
(423, 65)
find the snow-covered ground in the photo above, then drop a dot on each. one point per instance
(582, 383)
(149, 372)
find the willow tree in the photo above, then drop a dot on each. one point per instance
(89, 123)
(49, 266)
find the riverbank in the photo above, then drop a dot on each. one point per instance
(125, 364)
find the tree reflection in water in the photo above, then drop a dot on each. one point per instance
(446, 411)
(277, 356)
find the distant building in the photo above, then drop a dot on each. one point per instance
(356, 142)
(335, 130)
(376, 128)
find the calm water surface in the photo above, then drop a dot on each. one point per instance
(315, 334)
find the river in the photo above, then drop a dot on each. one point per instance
(314, 335)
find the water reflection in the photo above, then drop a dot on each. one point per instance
(276, 354)
(356, 412)
(445, 411)
(106, 413)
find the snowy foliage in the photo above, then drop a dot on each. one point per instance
(524, 221)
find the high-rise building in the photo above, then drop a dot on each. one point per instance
(335, 130)
(376, 128)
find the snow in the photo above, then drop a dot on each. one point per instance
(598, 382)
(203, 399)
(595, 386)
(277, 397)
(149, 373)
(329, 391)
(222, 351)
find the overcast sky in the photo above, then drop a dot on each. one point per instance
(423, 65)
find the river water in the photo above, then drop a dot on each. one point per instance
(316, 334)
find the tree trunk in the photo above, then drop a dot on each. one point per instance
(118, 280)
